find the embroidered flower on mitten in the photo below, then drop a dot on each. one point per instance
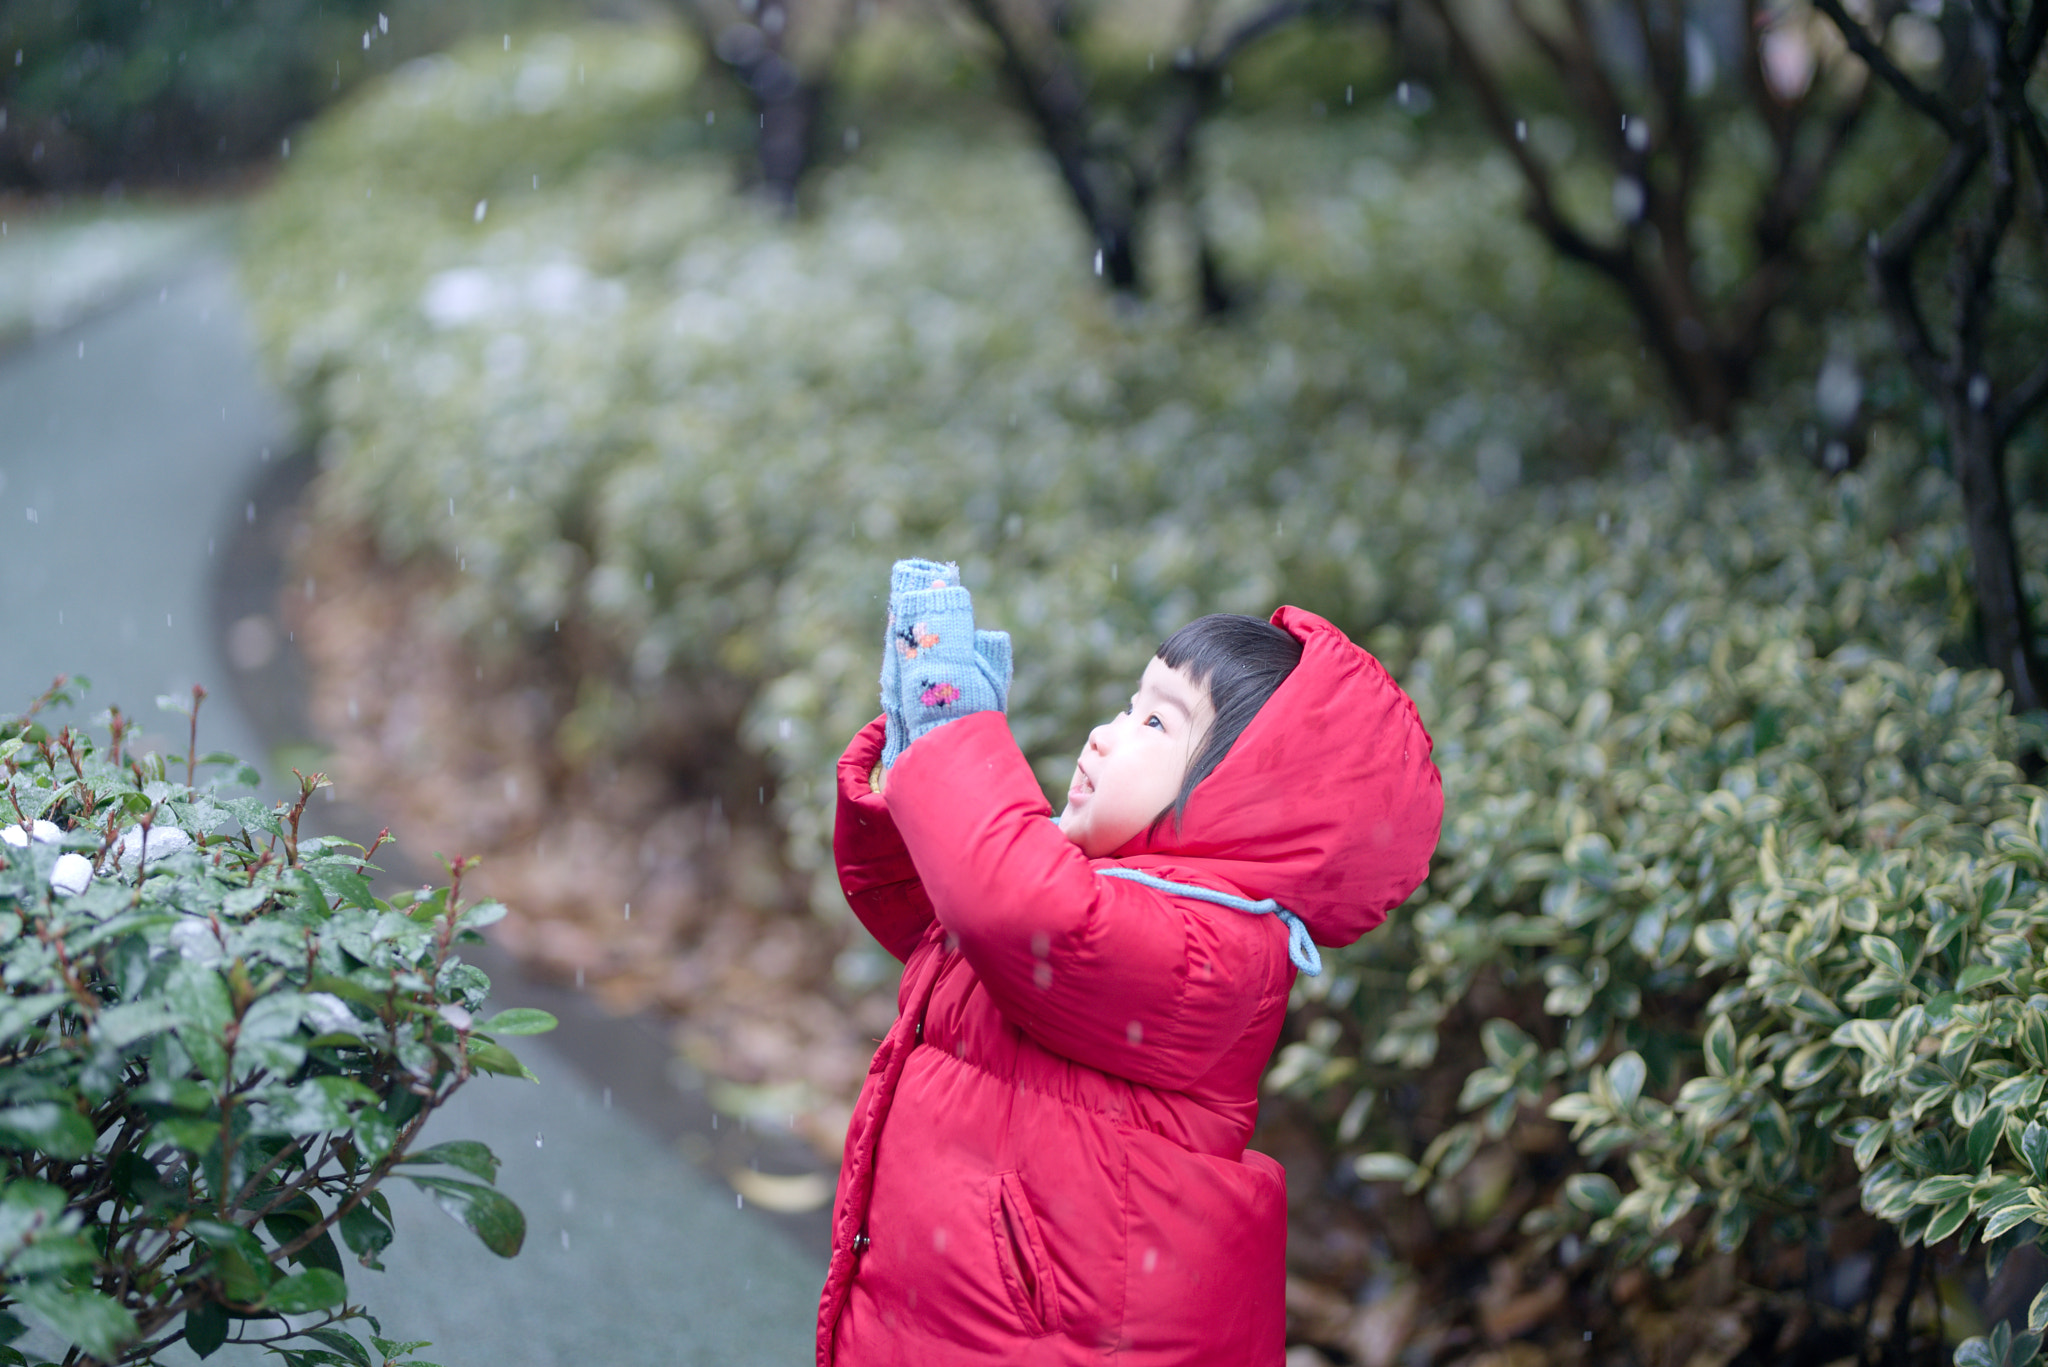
(910, 640)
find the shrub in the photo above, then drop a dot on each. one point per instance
(218, 1044)
(1760, 870)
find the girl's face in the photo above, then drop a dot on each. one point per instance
(1131, 770)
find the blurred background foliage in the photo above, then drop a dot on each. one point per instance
(188, 92)
(1531, 344)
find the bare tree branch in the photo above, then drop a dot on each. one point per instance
(1891, 259)
(1543, 40)
(1113, 179)
(1864, 46)
(1598, 95)
(1052, 94)
(1274, 17)
(1795, 185)
(2036, 146)
(1654, 140)
(1611, 261)
(1664, 41)
(2024, 402)
(145, 1351)
(1977, 251)
(1202, 72)
(1797, 179)
(2032, 36)
(2014, 64)
(333, 1317)
(1665, 211)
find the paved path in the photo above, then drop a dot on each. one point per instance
(131, 443)
(124, 442)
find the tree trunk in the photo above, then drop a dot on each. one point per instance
(1050, 84)
(1710, 382)
(1978, 452)
(786, 91)
(787, 142)
(1118, 244)
(1988, 130)
(1218, 298)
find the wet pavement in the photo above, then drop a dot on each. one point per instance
(124, 440)
(145, 472)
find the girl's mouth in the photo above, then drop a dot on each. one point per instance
(1081, 786)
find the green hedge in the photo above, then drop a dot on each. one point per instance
(1679, 710)
(650, 407)
(1765, 861)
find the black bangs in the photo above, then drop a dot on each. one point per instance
(1242, 661)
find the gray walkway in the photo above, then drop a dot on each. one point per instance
(130, 445)
(124, 441)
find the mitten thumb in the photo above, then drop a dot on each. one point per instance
(992, 654)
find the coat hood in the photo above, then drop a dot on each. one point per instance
(1328, 802)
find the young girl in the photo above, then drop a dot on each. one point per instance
(1048, 1162)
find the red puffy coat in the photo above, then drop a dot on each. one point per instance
(1048, 1162)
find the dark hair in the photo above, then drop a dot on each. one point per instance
(1242, 661)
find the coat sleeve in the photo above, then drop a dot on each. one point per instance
(1108, 973)
(875, 869)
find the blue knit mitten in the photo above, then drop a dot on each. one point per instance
(943, 674)
(945, 668)
(906, 576)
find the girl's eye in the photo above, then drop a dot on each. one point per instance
(1153, 720)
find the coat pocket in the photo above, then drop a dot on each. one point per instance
(1020, 1252)
(1206, 1268)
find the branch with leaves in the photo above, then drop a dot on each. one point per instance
(220, 1044)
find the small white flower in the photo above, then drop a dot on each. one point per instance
(72, 874)
(164, 841)
(195, 941)
(328, 1014)
(43, 832)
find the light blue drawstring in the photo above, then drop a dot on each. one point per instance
(1300, 947)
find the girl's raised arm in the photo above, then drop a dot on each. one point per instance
(875, 869)
(1110, 974)
(936, 668)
